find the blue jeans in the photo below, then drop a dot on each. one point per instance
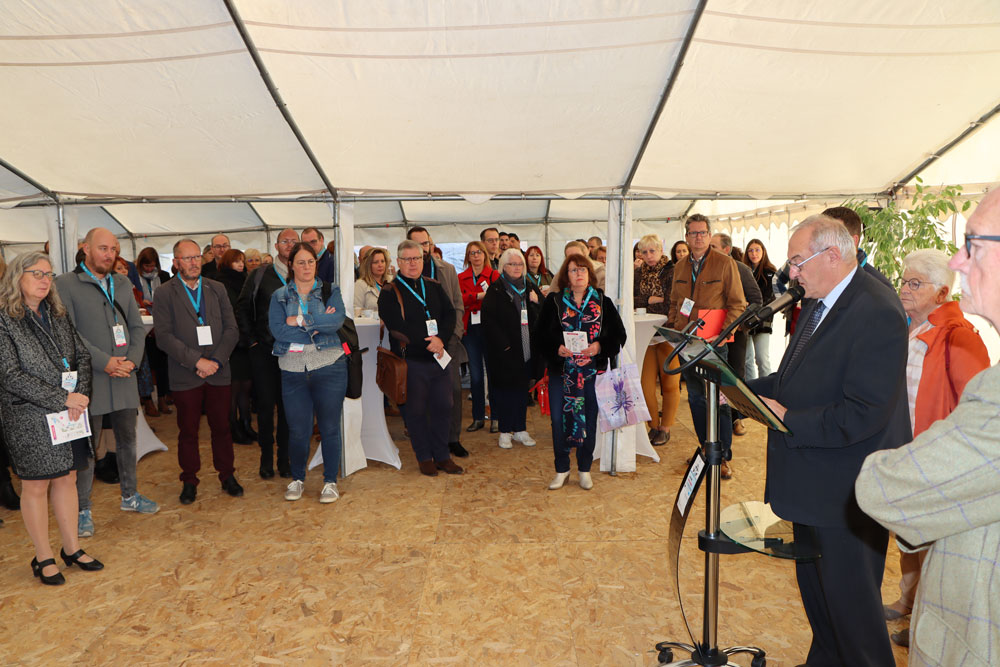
(561, 448)
(320, 392)
(699, 408)
(473, 342)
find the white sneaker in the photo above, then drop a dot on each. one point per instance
(294, 490)
(586, 483)
(505, 442)
(524, 438)
(558, 480)
(329, 493)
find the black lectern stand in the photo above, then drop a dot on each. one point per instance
(708, 365)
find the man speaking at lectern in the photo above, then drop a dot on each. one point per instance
(841, 390)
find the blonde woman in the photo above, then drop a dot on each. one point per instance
(253, 259)
(374, 273)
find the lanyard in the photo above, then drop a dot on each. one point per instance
(194, 302)
(520, 292)
(423, 291)
(304, 304)
(280, 277)
(430, 258)
(51, 338)
(569, 302)
(695, 272)
(537, 279)
(109, 297)
(378, 287)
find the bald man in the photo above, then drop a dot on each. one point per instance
(220, 244)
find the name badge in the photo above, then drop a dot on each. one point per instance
(475, 318)
(687, 307)
(119, 332)
(432, 327)
(69, 381)
(204, 335)
(296, 347)
(485, 285)
(524, 316)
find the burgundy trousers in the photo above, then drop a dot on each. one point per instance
(189, 404)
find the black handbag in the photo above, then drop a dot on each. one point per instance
(348, 334)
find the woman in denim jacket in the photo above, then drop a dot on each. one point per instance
(313, 367)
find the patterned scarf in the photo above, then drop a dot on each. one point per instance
(577, 369)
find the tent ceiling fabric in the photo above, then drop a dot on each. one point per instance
(14, 189)
(180, 219)
(489, 212)
(839, 97)
(458, 96)
(589, 209)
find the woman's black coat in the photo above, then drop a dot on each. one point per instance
(505, 361)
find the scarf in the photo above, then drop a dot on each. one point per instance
(577, 370)
(513, 286)
(150, 281)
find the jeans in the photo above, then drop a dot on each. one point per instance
(759, 347)
(267, 385)
(699, 407)
(123, 425)
(321, 393)
(189, 404)
(560, 447)
(473, 342)
(428, 409)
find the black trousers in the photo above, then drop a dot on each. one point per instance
(737, 358)
(428, 409)
(267, 384)
(841, 593)
(158, 362)
(4, 461)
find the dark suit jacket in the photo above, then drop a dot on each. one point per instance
(846, 398)
(176, 323)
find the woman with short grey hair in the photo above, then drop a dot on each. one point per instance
(45, 369)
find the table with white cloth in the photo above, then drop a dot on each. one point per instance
(365, 434)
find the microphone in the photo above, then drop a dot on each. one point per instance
(792, 296)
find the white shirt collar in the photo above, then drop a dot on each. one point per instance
(830, 299)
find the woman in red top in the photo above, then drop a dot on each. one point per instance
(474, 281)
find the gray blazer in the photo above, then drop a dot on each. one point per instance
(31, 371)
(93, 317)
(942, 493)
(176, 334)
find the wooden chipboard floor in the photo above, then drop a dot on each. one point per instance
(485, 568)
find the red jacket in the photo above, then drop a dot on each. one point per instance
(470, 290)
(955, 353)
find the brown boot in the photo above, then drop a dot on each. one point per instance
(165, 408)
(450, 467)
(428, 468)
(727, 471)
(150, 408)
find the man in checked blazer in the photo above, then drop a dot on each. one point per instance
(941, 492)
(841, 390)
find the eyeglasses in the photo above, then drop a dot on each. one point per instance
(798, 265)
(473, 253)
(38, 275)
(914, 284)
(969, 238)
(305, 262)
(518, 264)
(577, 269)
(287, 242)
(697, 234)
(425, 244)
(223, 246)
(189, 258)
(411, 259)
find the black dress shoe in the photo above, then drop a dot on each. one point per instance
(232, 487)
(91, 566)
(240, 437)
(457, 449)
(475, 425)
(494, 426)
(56, 579)
(284, 473)
(188, 493)
(266, 471)
(106, 469)
(8, 496)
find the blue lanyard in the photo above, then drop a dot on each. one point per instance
(194, 302)
(569, 302)
(537, 279)
(423, 291)
(283, 280)
(378, 287)
(520, 292)
(109, 297)
(304, 304)
(696, 273)
(65, 363)
(431, 260)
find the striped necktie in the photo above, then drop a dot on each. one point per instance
(807, 331)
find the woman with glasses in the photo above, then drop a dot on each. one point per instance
(46, 369)
(510, 309)
(474, 282)
(945, 352)
(576, 313)
(374, 273)
(758, 361)
(304, 317)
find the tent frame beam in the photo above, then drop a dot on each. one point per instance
(30, 181)
(276, 96)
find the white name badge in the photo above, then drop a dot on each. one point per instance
(69, 381)
(119, 332)
(687, 307)
(524, 316)
(204, 335)
(296, 347)
(485, 285)
(432, 327)
(475, 318)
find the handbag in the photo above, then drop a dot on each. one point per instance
(348, 335)
(620, 401)
(390, 369)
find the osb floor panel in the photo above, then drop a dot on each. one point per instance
(485, 568)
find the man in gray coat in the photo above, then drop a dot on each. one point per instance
(445, 274)
(104, 312)
(196, 328)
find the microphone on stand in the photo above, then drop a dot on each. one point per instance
(792, 296)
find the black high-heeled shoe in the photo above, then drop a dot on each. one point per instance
(56, 579)
(90, 566)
